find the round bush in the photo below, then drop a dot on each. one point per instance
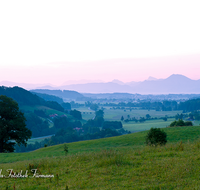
(155, 137)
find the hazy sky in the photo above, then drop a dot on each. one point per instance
(56, 41)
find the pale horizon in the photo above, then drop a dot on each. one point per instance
(125, 70)
(48, 42)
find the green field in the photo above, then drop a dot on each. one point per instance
(39, 139)
(135, 127)
(47, 110)
(122, 162)
(116, 114)
(134, 140)
(111, 114)
(86, 113)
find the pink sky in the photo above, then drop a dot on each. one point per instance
(57, 41)
(125, 70)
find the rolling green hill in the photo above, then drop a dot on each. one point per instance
(133, 140)
(21, 96)
(122, 162)
(65, 94)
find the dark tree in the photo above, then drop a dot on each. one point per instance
(180, 122)
(165, 118)
(188, 123)
(76, 114)
(94, 107)
(98, 121)
(12, 125)
(142, 119)
(62, 122)
(177, 116)
(37, 125)
(156, 137)
(54, 105)
(66, 105)
(122, 118)
(190, 105)
(40, 113)
(112, 125)
(99, 113)
(148, 116)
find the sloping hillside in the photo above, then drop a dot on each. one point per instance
(122, 162)
(22, 96)
(133, 140)
(35, 109)
(65, 94)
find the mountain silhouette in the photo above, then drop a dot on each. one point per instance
(174, 84)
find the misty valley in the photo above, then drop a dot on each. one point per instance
(99, 95)
(107, 130)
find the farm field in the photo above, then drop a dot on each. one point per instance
(111, 114)
(86, 113)
(48, 111)
(122, 162)
(135, 127)
(39, 139)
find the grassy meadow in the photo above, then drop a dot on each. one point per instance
(86, 113)
(148, 124)
(39, 139)
(47, 110)
(122, 162)
(111, 114)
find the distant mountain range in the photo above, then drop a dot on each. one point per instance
(27, 86)
(175, 84)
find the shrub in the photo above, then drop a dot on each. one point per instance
(155, 137)
(112, 125)
(188, 123)
(66, 149)
(76, 114)
(180, 122)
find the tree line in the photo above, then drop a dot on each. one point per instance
(68, 130)
(186, 106)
